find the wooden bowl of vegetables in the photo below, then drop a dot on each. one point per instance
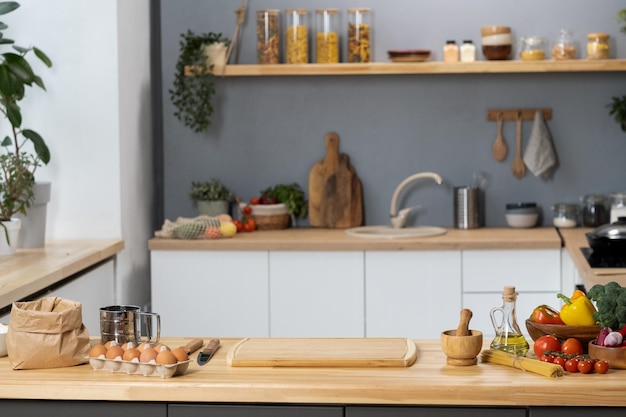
(583, 333)
(615, 356)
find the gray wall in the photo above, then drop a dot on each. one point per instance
(270, 130)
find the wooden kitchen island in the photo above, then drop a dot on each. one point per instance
(428, 387)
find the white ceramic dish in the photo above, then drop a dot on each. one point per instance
(522, 221)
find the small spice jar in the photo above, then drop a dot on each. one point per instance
(565, 215)
(468, 51)
(297, 36)
(532, 48)
(359, 34)
(618, 206)
(450, 52)
(594, 210)
(268, 36)
(598, 46)
(326, 36)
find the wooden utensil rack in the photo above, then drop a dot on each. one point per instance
(511, 114)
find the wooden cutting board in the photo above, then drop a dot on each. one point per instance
(323, 352)
(335, 191)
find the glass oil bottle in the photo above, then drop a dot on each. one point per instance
(508, 337)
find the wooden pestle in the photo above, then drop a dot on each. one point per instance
(463, 329)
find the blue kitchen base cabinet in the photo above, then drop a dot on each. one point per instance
(198, 410)
(47, 408)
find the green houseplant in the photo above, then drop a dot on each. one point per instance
(212, 197)
(193, 91)
(17, 162)
(617, 109)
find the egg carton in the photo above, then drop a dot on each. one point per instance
(138, 368)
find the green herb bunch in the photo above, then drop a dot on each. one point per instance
(290, 195)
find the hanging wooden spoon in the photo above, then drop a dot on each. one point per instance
(518, 168)
(499, 146)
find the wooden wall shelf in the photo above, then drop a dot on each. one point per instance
(434, 67)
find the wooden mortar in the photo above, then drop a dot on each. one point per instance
(462, 345)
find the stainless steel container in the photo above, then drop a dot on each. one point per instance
(125, 324)
(468, 208)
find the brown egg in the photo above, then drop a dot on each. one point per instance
(144, 345)
(114, 352)
(148, 354)
(128, 345)
(166, 357)
(97, 350)
(180, 354)
(161, 347)
(132, 353)
(110, 343)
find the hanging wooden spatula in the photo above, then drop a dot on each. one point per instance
(518, 168)
(499, 146)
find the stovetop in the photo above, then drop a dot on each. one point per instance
(603, 261)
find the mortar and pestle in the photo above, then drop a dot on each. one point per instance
(462, 345)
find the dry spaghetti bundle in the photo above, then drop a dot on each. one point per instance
(520, 362)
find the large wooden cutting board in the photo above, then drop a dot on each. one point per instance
(335, 191)
(323, 352)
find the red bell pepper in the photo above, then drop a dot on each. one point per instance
(545, 314)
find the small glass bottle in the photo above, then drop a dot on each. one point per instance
(598, 46)
(594, 211)
(450, 52)
(565, 215)
(268, 36)
(297, 36)
(618, 206)
(326, 36)
(359, 34)
(468, 51)
(508, 337)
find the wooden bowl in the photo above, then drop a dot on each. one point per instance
(583, 333)
(461, 350)
(615, 356)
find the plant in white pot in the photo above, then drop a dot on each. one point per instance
(212, 197)
(23, 150)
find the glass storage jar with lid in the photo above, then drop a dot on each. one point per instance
(326, 36)
(532, 48)
(598, 46)
(565, 215)
(618, 206)
(359, 34)
(268, 36)
(564, 48)
(297, 36)
(594, 210)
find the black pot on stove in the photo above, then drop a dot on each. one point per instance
(609, 239)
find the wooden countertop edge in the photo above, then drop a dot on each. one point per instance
(303, 239)
(428, 382)
(29, 271)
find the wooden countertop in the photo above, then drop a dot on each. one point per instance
(296, 239)
(31, 270)
(428, 381)
(574, 239)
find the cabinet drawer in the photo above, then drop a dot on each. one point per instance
(527, 270)
(206, 410)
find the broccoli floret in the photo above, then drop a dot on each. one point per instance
(605, 314)
(609, 298)
(620, 315)
(596, 292)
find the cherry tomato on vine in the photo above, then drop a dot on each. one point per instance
(601, 367)
(571, 365)
(585, 366)
(254, 200)
(247, 210)
(249, 225)
(238, 225)
(572, 346)
(558, 360)
(546, 358)
(546, 343)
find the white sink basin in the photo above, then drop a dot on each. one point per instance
(388, 232)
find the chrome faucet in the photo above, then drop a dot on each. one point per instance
(398, 218)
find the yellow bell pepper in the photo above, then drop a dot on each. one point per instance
(577, 310)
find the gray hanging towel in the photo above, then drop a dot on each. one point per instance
(540, 155)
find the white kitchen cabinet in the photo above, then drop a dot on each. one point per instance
(211, 293)
(316, 294)
(414, 294)
(535, 274)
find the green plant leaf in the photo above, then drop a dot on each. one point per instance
(8, 7)
(19, 67)
(6, 83)
(6, 141)
(41, 149)
(14, 114)
(42, 57)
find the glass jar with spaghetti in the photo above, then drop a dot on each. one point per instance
(297, 36)
(326, 36)
(359, 34)
(268, 36)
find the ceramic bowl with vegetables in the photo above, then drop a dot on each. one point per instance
(610, 345)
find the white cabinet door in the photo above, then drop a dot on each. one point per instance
(211, 293)
(316, 294)
(413, 294)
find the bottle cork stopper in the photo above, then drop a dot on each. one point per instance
(509, 293)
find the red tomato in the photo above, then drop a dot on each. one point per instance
(254, 200)
(601, 367)
(585, 366)
(546, 358)
(571, 365)
(238, 225)
(247, 210)
(249, 225)
(559, 360)
(572, 346)
(546, 343)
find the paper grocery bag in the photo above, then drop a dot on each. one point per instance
(47, 333)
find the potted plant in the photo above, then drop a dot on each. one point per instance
(212, 197)
(18, 162)
(276, 206)
(194, 89)
(617, 109)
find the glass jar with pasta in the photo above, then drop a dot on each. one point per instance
(297, 36)
(326, 36)
(268, 36)
(598, 46)
(359, 34)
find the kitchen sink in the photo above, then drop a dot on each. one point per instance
(388, 232)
